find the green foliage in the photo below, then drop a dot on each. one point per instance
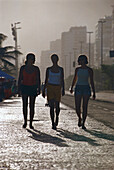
(109, 71)
(5, 56)
(104, 78)
(2, 38)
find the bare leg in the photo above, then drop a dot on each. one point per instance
(32, 104)
(51, 104)
(57, 112)
(85, 107)
(25, 109)
(78, 108)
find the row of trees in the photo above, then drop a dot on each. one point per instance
(103, 77)
(7, 57)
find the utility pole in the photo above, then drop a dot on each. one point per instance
(74, 62)
(89, 32)
(70, 61)
(14, 33)
(101, 22)
(65, 59)
(81, 42)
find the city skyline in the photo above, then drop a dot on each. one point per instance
(44, 21)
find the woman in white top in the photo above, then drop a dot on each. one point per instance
(82, 89)
(54, 82)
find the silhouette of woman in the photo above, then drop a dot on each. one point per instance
(54, 82)
(29, 86)
(82, 88)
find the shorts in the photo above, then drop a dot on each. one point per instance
(29, 90)
(53, 92)
(82, 90)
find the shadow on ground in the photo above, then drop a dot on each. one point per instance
(101, 135)
(46, 138)
(76, 137)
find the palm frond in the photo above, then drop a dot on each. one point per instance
(18, 52)
(2, 51)
(14, 52)
(8, 48)
(2, 37)
(9, 56)
(7, 62)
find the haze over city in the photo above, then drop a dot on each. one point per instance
(43, 21)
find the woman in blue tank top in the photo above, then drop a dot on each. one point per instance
(82, 89)
(54, 82)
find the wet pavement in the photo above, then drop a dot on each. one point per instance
(69, 147)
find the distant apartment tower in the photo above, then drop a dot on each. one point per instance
(55, 47)
(103, 41)
(45, 62)
(66, 44)
(45, 59)
(73, 43)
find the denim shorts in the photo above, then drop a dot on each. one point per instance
(82, 90)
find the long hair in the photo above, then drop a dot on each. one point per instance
(30, 56)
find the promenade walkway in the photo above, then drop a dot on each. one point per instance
(67, 148)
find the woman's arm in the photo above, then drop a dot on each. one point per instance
(46, 81)
(20, 79)
(38, 80)
(63, 84)
(74, 80)
(92, 82)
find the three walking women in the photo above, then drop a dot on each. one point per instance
(29, 86)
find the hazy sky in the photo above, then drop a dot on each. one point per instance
(43, 21)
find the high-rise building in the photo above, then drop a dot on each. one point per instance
(66, 44)
(55, 47)
(73, 43)
(103, 41)
(45, 61)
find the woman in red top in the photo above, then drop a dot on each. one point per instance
(29, 86)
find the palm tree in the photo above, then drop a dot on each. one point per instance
(6, 55)
(2, 38)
